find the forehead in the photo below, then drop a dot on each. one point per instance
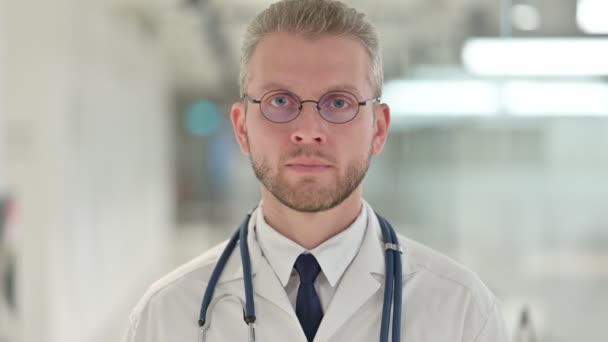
(309, 66)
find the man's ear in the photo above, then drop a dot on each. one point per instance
(238, 117)
(382, 121)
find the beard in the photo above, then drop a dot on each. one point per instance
(308, 194)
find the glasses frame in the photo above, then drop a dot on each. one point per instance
(247, 98)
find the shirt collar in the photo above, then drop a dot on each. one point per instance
(333, 255)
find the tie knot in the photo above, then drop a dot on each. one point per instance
(308, 268)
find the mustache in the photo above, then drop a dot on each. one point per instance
(308, 152)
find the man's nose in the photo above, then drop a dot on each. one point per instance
(309, 126)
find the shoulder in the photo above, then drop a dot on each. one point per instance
(185, 284)
(198, 269)
(444, 269)
(448, 285)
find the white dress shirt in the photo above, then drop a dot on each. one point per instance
(333, 255)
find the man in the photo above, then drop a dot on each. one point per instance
(310, 120)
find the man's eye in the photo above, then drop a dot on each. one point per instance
(339, 103)
(280, 101)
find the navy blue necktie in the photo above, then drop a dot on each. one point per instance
(308, 306)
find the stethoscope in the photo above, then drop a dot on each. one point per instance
(392, 285)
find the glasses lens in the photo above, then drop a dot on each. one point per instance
(338, 107)
(280, 106)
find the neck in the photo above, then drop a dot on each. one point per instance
(311, 229)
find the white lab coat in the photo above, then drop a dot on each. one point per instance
(442, 301)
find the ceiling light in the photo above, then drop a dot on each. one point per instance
(591, 16)
(466, 98)
(536, 56)
(445, 98)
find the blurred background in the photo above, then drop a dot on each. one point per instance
(117, 160)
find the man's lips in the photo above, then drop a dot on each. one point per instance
(308, 168)
(307, 165)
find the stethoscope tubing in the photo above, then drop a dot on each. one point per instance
(392, 286)
(393, 283)
(215, 275)
(247, 277)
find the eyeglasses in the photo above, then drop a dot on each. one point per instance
(282, 106)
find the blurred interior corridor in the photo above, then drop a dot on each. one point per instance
(118, 163)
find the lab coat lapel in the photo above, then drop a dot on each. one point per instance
(267, 285)
(357, 284)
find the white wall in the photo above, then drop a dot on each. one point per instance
(88, 107)
(3, 157)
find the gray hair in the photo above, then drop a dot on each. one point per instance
(313, 18)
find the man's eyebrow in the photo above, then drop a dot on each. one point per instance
(272, 86)
(278, 86)
(343, 87)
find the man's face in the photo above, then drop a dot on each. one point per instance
(309, 164)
